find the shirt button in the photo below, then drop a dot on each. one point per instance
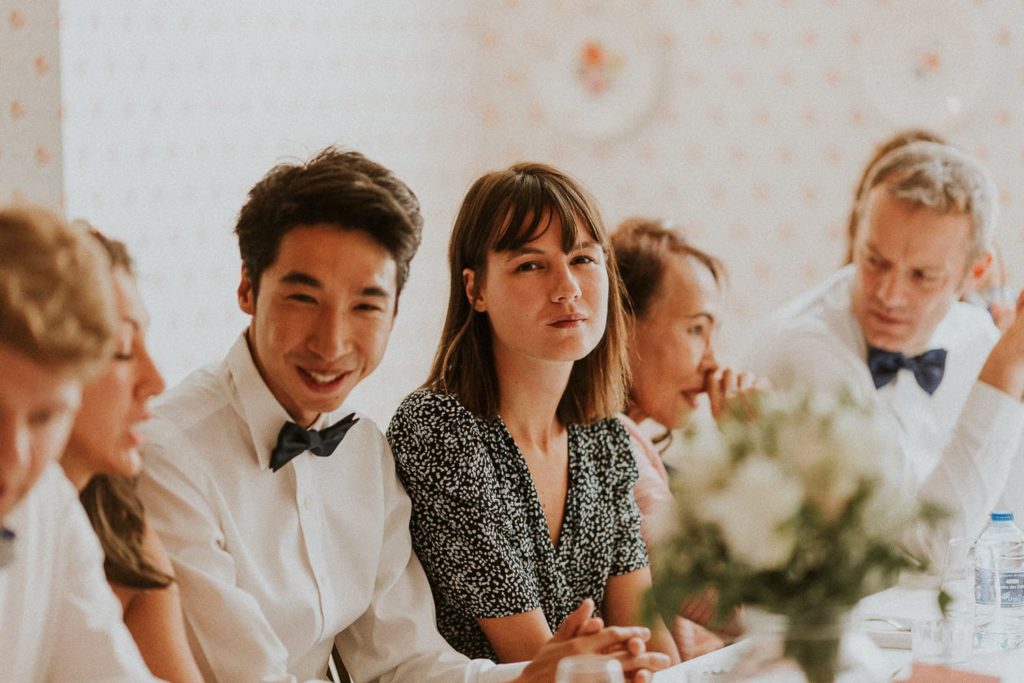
(307, 503)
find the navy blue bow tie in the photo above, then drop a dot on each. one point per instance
(927, 368)
(293, 439)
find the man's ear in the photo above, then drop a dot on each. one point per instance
(476, 298)
(977, 272)
(246, 293)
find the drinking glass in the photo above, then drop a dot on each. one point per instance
(950, 638)
(589, 669)
(942, 641)
(958, 577)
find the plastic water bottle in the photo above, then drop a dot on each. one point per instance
(999, 625)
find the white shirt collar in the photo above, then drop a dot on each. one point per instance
(944, 335)
(264, 416)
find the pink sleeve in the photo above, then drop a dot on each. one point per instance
(651, 490)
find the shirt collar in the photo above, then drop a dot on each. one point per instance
(849, 326)
(263, 415)
(945, 332)
(942, 336)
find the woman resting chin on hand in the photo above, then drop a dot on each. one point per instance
(674, 307)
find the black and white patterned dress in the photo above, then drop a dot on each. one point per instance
(479, 529)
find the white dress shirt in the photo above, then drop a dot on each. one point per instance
(959, 442)
(59, 620)
(276, 567)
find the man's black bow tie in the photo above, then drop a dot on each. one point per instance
(293, 439)
(927, 368)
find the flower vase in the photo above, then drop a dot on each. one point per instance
(808, 648)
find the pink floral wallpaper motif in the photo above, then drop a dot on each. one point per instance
(30, 137)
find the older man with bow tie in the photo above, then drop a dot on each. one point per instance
(890, 327)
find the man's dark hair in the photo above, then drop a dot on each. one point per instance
(336, 187)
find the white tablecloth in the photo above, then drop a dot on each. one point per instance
(901, 602)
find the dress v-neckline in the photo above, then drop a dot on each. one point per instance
(568, 508)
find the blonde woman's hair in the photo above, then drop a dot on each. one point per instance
(56, 293)
(111, 502)
(119, 520)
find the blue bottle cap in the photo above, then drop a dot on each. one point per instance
(1002, 516)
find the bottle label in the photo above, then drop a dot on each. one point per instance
(1011, 589)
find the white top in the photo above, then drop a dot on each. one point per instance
(275, 568)
(59, 620)
(959, 442)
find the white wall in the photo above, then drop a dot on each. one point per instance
(173, 111)
(763, 114)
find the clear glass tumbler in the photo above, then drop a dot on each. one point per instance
(589, 669)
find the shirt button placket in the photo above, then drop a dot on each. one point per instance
(308, 521)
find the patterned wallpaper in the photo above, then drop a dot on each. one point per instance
(745, 122)
(30, 150)
(766, 113)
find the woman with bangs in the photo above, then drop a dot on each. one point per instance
(520, 476)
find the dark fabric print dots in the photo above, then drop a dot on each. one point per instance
(479, 529)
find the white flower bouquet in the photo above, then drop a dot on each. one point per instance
(790, 505)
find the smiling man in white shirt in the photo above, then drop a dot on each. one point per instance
(59, 621)
(891, 328)
(280, 506)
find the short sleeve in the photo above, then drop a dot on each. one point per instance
(629, 552)
(460, 530)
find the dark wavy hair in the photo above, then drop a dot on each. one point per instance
(336, 187)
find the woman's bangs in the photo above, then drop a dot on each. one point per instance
(530, 217)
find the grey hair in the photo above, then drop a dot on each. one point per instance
(942, 178)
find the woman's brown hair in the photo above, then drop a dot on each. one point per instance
(642, 246)
(112, 503)
(503, 211)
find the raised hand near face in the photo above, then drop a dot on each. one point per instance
(1004, 368)
(724, 386)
